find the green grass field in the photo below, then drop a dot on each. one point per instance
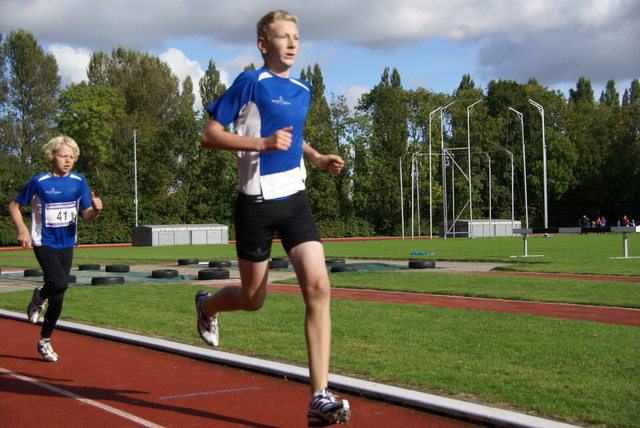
(583, 372)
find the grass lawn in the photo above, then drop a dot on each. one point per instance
(583, 372)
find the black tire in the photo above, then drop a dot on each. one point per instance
(335, 269)
(184, 262)
(422, 264)
(334, 261)
(33, 272)
(205, 274)
(107, 280)
(219, 264)
(90, 266)
(280, 259)
(73, 279)
(278, 264)
(117, 268)
(164, 273)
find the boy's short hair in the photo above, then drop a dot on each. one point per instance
(275, 15)
(55, 143)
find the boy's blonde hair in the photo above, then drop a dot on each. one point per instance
(52, 146)
(271, 17)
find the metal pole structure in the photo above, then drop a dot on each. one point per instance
(413, 182)
(135, 174)
(524, 166)
(469, 152)
(512, 192)
(402, 194)
(417, 180)
(490, 197)
(444, 169)
(430, 177)
(544, 163)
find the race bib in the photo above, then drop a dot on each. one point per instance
(60, 214)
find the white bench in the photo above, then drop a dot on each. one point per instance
(578, 230)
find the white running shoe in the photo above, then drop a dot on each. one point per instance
(207, 326)
(44, 347)
(34, 310)
(325, 410)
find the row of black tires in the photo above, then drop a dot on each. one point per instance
(217, 271)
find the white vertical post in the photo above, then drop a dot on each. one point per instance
(469, 153)
(430, 177)
(544, 163)
(402, 195)
(135, 174)
(524, 166)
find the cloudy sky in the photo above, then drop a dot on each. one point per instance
(432, 43)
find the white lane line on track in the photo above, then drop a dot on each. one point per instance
(207, 393)
(105, 407)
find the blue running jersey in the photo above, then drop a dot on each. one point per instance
(54, 208)
(258, 104)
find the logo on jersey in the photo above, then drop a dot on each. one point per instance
(53, 191)
(281, 101)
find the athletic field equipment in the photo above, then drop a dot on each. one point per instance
(107, 280)
(206, 274)
(90, 266)
(117, 268)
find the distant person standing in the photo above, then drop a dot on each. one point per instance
(55, 197)
(268, 109)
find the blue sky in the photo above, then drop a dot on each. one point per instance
(431, 43)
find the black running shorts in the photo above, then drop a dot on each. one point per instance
(257, 221)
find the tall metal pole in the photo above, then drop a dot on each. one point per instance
(544, 163)
(135, 174)
(413, 182)
(469, 153)
(402, 194)
(416, 157)
(524, 166)
(444, 169)
(430, 177)
(512, 191)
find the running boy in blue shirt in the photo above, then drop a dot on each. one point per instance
(268, 109)
(55, 197)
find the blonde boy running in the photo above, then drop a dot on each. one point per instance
(268, 109)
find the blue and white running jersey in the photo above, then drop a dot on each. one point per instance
(54, 208)
(258, 104)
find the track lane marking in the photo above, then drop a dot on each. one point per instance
(195, 394)
(69, 394)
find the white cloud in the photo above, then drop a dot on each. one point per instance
(72, 63)
(182, 67)
(554, 41)
(353, 94)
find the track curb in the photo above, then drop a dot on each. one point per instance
(473, 412)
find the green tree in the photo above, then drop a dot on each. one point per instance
(387, 106)
(30, 91)
(583, 92)
(91, 115)
(622, 164)
(318, 133)
(29, 84)
(610, 97)
(211, 88)
(145, 81)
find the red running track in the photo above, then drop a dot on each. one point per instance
(104, 383)
(603, 314)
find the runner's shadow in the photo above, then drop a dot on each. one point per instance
(13, 385)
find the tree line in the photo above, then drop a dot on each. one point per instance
(590, 147)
